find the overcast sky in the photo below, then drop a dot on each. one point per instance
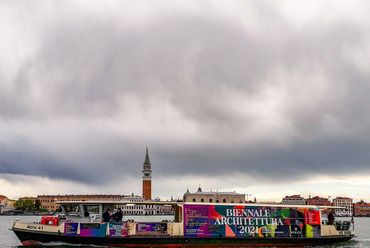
(268, 98)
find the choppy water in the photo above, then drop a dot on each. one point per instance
(9, 240)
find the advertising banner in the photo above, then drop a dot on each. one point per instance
(70, 229)
(250, 221)
(118, 230)
(93, 229)
(151, 227)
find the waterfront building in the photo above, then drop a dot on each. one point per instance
(361, 208)
(49, 201)
(343, 202)
(318, 201)
(6, 202)
(147, 177)
(10, 203)
(209, 196)
(293, 200)
(268, 202)
(147, 209)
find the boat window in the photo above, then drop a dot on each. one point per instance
(224, 200)
(202, 200)
(194, 200)
(72, 210)
(89, 210)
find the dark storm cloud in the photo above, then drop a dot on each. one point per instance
(94, 163)
(325, 157)
(211, 71)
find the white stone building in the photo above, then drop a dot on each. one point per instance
(214, 196)
(343, 202)
(293, 200)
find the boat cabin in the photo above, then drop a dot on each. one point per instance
(88, 211)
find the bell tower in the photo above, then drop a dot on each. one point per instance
(147, 177)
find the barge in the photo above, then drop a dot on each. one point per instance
(193, 225)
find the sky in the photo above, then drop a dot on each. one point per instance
(266, 98)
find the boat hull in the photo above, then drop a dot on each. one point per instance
(167, 241)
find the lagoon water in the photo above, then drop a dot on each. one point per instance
(9, 240)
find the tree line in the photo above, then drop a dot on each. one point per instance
(29, 205)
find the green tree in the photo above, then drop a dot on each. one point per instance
(37, 204)
(19, 204)
(29, 205)
(24, 205)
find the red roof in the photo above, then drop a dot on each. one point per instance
(343, 198)
(294, 196)
(28, 198)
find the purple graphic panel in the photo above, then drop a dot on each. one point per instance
(70, 229)
(118, 230)
(93, 229)
(197, 220)
(151, 227)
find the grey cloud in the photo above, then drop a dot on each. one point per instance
(326, 157)
(85, 66)
(96, 164)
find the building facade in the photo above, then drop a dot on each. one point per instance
(5, 201)
(6, 204)
(293, 200)
(216, 197)
(147, 209)
(343, 202)
(361, 208)
(147, 177)
(318, 201)
(49, 201)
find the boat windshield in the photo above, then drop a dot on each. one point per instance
(90, 210)
(72, 210)
(80, 210)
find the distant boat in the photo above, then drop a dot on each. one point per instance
(193, 224)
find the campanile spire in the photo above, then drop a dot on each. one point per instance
(147, 177)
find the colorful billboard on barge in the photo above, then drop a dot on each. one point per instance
(251, 221)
